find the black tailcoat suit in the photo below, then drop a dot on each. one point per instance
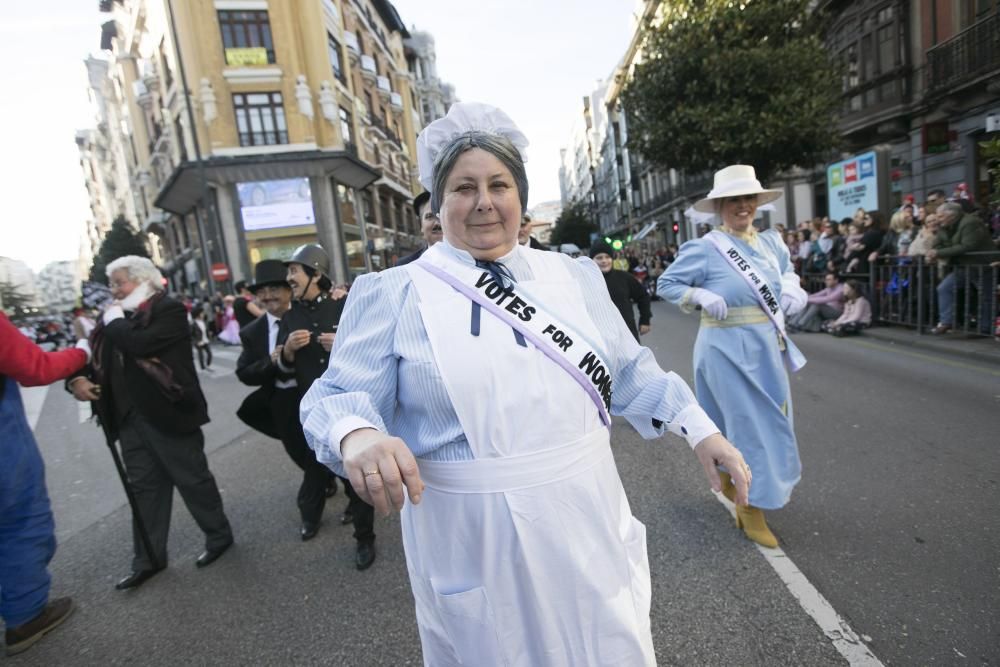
(159, 431)
(321, 315)
(255, 369)
(274, 411)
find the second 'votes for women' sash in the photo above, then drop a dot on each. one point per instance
(558, 341)
(762, 291)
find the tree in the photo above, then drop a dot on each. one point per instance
(734, 82)
(13, 300)
(574, 225)
(121, 240)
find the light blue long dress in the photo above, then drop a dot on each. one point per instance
(740, 377)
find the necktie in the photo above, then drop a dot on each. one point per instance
(501, 276)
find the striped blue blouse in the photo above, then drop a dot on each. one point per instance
(382, 371)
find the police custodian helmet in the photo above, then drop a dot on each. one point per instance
(313, 256)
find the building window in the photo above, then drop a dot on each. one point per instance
(370, 106)
(260, 119)
(333, 49)
(345, 127)
(246, 37)
(168, 76)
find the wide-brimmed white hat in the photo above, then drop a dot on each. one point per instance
(734, 181)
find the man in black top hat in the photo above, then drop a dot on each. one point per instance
(430, 226)
(306, 335)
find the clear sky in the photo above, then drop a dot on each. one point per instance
(535, 59)
(42, 48)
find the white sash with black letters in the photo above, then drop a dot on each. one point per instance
(762, 291)
(556, 340)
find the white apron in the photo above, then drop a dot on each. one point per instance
(528, 554)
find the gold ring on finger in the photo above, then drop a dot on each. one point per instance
(371, 472)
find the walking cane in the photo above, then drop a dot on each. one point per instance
(136, 515)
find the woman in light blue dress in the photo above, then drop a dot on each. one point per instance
(740, 377)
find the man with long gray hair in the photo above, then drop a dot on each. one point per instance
(145, 392)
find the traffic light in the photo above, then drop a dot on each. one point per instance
(617, 244)
(676, 228)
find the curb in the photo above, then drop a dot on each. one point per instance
(929, 343)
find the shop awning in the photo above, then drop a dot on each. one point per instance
(183, 189)
(645, 231)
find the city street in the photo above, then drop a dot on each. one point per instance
(891, 525)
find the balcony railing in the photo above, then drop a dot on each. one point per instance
(351, 42)
(384, 87)
(968, 55)
(368, 69)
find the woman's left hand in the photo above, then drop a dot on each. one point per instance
(716, 451)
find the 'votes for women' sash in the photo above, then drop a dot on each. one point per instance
(556, 340)
(765, 295)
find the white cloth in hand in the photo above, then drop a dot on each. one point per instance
(710, 302)
(112, 313)
(84, 344)
(793, 297)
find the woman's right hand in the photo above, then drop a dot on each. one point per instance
(379, 466)
(710, 302)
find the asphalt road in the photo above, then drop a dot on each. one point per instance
(891, 523)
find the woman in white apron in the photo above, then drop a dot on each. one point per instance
(481, 378)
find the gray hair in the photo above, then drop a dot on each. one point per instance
(499, 147)
(952, 209)
(139, 269)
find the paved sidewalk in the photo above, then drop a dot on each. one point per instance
(976, 348)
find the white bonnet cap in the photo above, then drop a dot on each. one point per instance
(461, 118)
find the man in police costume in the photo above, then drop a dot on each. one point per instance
(306, 335)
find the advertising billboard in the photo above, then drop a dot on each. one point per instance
(274, 204)
(853, 184)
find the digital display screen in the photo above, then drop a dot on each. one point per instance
(275, 204)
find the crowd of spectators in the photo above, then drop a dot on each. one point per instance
(943, 234)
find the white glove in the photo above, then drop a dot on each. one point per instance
(710, 302)
(84, 344)
(793, 297)
(113, 312)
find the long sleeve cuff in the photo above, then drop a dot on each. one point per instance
(342, 428)
(693, 425)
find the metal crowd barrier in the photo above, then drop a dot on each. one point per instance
(902, 291)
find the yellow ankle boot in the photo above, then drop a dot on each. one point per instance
(751, 520)
(728, 488)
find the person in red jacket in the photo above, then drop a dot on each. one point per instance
(27, 530)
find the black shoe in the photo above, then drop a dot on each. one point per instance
(346, 518)
(365, 555)
(22, 637)
(136, 579)
(331, 487)
(308, 530)
(209, 556)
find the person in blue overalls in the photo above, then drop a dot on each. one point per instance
(27, 530)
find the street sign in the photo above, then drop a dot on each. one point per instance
(220, 272)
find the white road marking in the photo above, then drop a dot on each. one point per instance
(83, 411)
(844, 639)
(33, 399)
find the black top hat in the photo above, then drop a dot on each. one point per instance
(269, 272)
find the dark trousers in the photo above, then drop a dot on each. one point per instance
(27, 531)
(204, 356)
(157, 462)
(315, 475)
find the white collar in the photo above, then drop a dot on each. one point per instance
(271, 319)
(466, 257)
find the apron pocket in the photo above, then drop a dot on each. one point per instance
(638, 562)
(468, 619)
